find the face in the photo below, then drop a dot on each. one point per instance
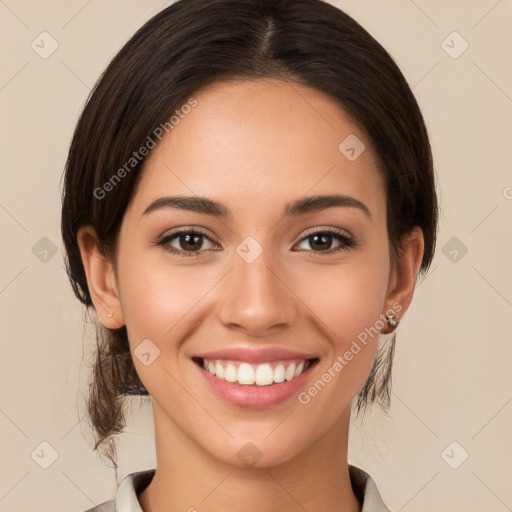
(263, 284)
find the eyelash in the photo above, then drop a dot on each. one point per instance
(346, 242)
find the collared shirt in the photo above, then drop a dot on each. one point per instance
(126, 500)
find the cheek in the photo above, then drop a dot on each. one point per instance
(155, 294)
(349, 302)
(156, 302)
(160, 305)
(349, 297)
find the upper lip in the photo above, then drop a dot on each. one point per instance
(253, 355)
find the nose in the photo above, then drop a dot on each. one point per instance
(256, 299)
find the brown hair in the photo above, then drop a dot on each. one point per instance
(194, 43)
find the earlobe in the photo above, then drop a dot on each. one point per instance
(404, 277)
(101, 280)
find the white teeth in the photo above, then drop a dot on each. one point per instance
(290, 372)
(231, 373)
(279, 373)
(219, 370)
(245, 374)
(299, 369)
(264, 375)
(261, 374)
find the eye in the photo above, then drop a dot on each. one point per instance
(187, 242)
(320, 241)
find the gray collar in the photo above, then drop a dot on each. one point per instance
(126, 500)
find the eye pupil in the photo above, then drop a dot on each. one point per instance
(325, 239)
(191, 240)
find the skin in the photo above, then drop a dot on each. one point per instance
(253, 146)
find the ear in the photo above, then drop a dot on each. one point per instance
(403, 275)
(101, 279)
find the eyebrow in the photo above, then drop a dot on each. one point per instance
(299, 207)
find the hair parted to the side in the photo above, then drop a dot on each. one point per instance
(195, 43)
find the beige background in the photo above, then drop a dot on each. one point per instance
(452, 367)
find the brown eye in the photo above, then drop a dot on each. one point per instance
(189, 241)
(321, 241)
(185, 242)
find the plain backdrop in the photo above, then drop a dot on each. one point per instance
(446, 445)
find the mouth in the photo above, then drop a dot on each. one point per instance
(271, 373)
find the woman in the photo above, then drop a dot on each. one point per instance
(248, 202)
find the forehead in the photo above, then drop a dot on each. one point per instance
(262, 141)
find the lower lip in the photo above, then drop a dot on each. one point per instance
(252, 396)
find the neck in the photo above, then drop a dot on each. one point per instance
(189, 479)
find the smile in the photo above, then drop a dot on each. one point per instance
(263, 374)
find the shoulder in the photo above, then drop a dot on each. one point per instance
(126, 496)
(366, 491)
(107, 506)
